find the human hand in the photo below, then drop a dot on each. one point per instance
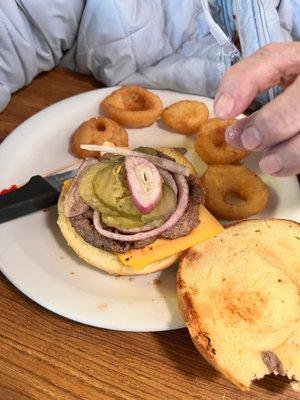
(275, 128)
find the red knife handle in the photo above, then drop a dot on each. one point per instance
(33, 196)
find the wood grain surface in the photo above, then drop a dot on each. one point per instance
(44, 356)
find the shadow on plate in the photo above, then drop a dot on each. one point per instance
(272, 204)
(161, 125)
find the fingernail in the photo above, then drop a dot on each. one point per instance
(224, 105)
(271, 164)
(251, 138)
(232, 136)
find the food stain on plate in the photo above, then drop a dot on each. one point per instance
(156, 282)
(102, 306)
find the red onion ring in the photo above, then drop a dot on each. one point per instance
(168, 179)
(73, 204)
(144, 228)
(183, 196)
(124, 151)
(144, 182)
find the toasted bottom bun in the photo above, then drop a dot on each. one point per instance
(100, 258)
(239, 294)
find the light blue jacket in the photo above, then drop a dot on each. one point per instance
(183, 45)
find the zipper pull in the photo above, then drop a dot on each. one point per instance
(229, 48)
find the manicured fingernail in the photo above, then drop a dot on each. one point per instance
(251, 138)
(224, 105)
(232, 136)
(271, 164)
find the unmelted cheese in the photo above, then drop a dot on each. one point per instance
(163, 248)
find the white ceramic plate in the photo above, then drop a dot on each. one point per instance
(35, 258)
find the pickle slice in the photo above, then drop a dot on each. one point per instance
(111, 190)
(121, 222)
(86, 190)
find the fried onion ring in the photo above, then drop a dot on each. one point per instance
(211, 146)
(185, 116)
(132, 107)
(97, 131)
(224, 181)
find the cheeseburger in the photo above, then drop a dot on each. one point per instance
(133, 212)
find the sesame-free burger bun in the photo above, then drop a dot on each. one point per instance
(99, 258)
(239, 294)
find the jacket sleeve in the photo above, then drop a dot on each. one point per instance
(160, 44)
(295, 12)
(34, 35)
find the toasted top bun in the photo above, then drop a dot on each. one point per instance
(239, 294)
(102, 259)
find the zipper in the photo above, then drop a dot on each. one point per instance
(229, 48)
(227, 13)
(266, 39)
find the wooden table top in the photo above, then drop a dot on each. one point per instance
(45, 357)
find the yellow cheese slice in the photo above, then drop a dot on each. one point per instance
(163, 248)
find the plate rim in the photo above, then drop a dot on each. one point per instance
(11, 139)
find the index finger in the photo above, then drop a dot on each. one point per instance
(264, 69)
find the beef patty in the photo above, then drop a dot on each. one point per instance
(83, 224)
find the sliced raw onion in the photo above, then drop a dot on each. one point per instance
(124, 151)
(144, 228)
(73, 204)
(144, 182)
(168, 179)
(183, 196)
